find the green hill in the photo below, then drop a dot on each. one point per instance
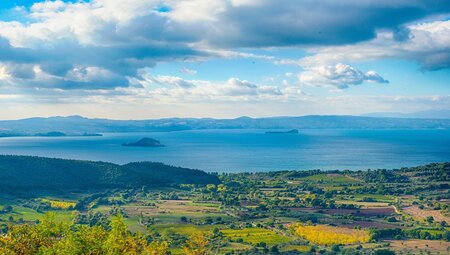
(25, 173)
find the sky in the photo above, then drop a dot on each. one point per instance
(143, 59)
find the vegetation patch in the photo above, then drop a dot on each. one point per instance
(59, 204)
(298, 248)
(255, 236)
(327, 235)
(330, 179)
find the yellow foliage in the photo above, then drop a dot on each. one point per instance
(327, 235)
(50, 238)
(59, 204)
(197, 245)
(157, 248)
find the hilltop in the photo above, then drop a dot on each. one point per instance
(34, 174)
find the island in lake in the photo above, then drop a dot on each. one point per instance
(60, 134)
(145, 142)
(47, 134)
(292, 131)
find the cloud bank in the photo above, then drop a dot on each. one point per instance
(104, 50)
(102, 43)
(339, 76)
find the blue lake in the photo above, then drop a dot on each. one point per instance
(251, 150)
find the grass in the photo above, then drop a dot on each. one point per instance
(28, 214)
(133, 225)
(255, 235)
(377, 197)
(184, 229)
(235, 247)
(299, 248)
(176, 251)
(175, 217)
(216, 205)
(330, 179)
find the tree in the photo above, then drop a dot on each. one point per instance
(336, 248)
(157, 248)
(274, 249)
(197, 245)
(7, 209)
(50, 238)
(119, 240)
(384, 252)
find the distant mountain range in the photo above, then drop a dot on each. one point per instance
(73, 125)
(440, 114)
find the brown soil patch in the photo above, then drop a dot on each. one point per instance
(245, 203)
(416, 212)
(419, 247)
(169, 206)
(368, 212)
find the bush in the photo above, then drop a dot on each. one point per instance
(384, 252)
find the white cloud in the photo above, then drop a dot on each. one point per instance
(96, 50)
(172, 88)
(4, 74)
(339, 76)
(188, 71)
(172, 80)
(427, 43)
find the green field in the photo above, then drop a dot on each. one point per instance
(375, 197)
(184, 229)
(299, 248)
(255, 235)
(30, 215)
(330, 179)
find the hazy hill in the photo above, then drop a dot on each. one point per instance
(77, 124)
(440, 114)
(25, 173)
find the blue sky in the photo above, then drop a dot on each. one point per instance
(222, 58)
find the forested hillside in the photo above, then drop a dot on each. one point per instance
(24, 173)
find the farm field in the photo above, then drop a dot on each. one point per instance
(255, 236)
(422, 214)
(327, 235)
(419, 247)
(261, 213)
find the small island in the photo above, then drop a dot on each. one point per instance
(292, 131)
(145, 142)
(91, 134)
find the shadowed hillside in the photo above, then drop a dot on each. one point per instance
(24, 173)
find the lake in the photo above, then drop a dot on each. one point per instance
(251, 150)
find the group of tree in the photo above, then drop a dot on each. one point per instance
(52, 238)
(62, 175)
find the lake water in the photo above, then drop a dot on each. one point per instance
(251, 150)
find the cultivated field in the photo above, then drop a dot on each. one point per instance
(255, 235)
(422, 214)
(420, 247)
